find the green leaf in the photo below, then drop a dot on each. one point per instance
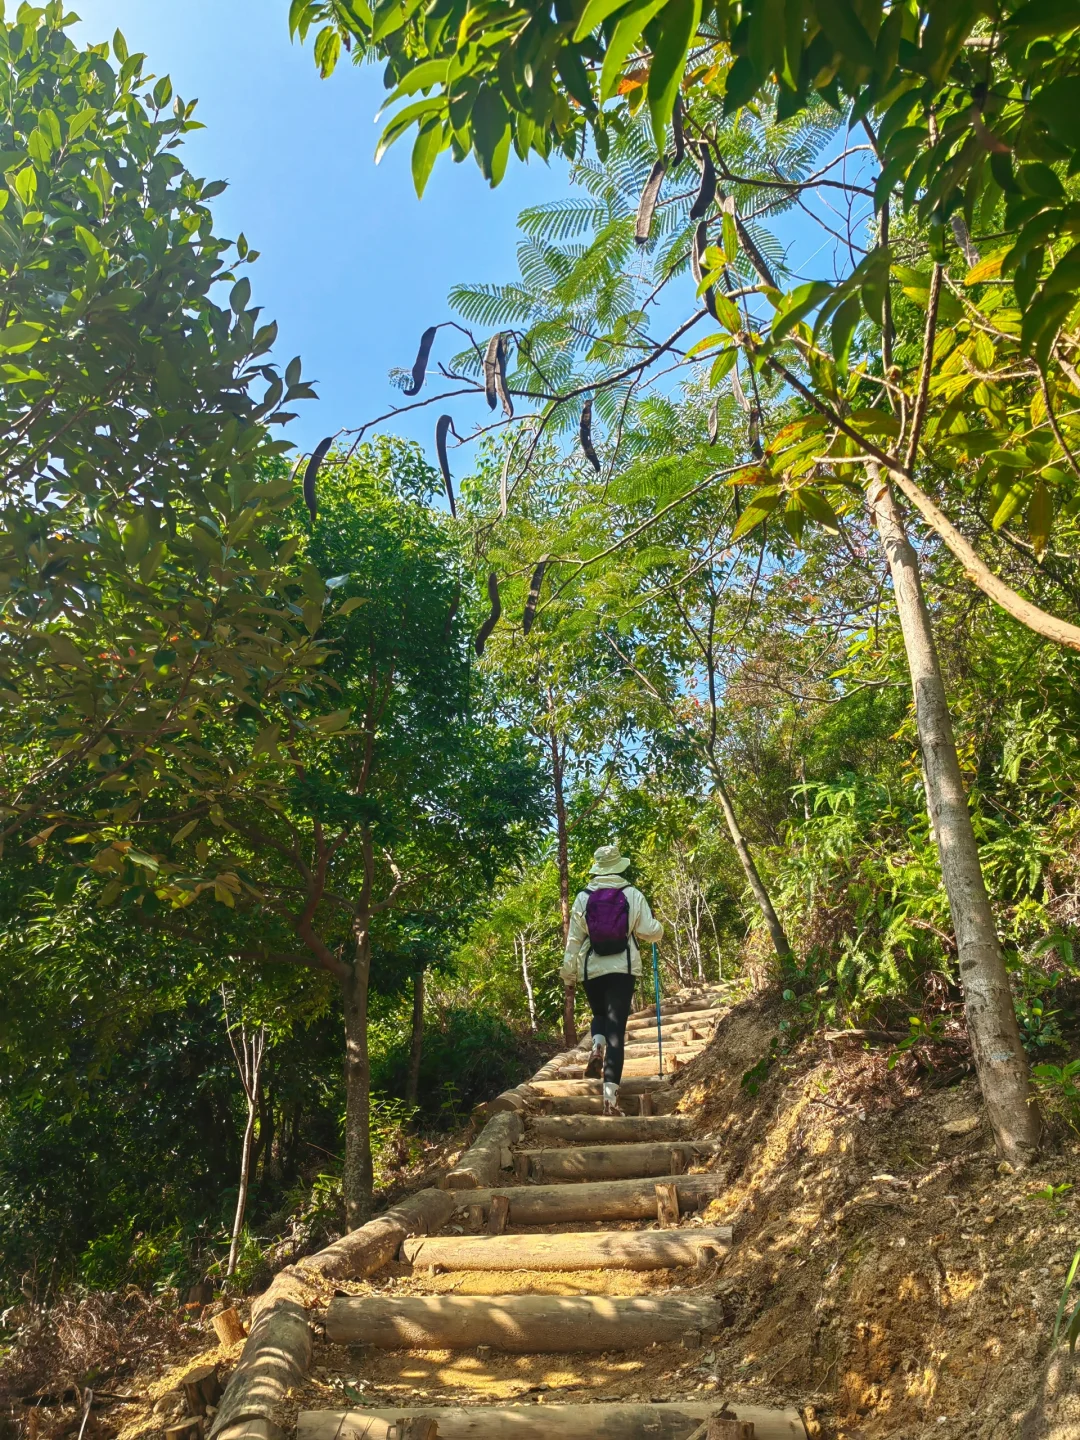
(1040, 517)
(624, 38)
(594, 14)
(240, 295)
(23, 335)
(679, 22)
(843, 27)
(798, 304)
(819, 509)
(843, 329)
(762, 504)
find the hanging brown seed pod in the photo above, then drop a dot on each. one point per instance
(697, 262)
(442, 427)
(452, 616)
(495, 375)
(753, 433)
(707, 189)
(484, 633)
(311, 474)
(647, 203)
(419, 369)
(714, 422)
(533, 598)
(491, 370)
(737, 390)
(585, 435)
(677, 133)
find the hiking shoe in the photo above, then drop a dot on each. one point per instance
(594, 1067)
(611, 1099)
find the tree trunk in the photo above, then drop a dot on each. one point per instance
(528, 980)
(416, 1049)
(1000, 1061)
(750, 870)
(245, 1180)
(358, 1176)
(563, 852)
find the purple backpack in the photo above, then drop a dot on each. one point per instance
(607, 916)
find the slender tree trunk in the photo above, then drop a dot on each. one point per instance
(528, 980)
(563, 851)
(1000, 1061)
(248, 1055)
(358, 1175)
(242, 1194)
(750, 870)
(416, 1049)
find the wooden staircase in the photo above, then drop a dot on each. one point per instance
(639, 1181)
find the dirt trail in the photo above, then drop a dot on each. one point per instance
(518, 1352)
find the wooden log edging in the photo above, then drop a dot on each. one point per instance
(617, 1249)
(662, 1420)
(482, 1162)
(278, 1352)
(518, 1324)
(598, 1200)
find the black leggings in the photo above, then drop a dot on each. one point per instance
(611, 997)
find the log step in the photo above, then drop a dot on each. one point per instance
(589, 1250)
(544, 1324)
(639, 1067)
(599, 1200)
(639, 1085)
(672, 1420)
(673, 1022)
(587, 1129)
(612, 1162)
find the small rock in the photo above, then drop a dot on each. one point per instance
(964, 1126)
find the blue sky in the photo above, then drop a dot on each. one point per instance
(352, 265)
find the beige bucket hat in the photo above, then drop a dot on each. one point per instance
(608, 860)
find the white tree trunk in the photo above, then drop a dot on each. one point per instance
(1000, 1061)
(527, 978)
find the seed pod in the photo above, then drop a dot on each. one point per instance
(707, 189)
(714, 422)
(677, 133)
(697, 256)
(484, 633)
(753, 433)
(585, 434)
(452, 616)
(311, 474)
(442, 426)
(647, 203)
(419, 369)
(737, 390)
(534, 596)
(495, 375)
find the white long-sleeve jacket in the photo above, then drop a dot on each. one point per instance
(644, 929)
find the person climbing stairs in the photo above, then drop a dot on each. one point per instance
(609, 922)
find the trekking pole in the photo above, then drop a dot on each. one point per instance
(656, 984)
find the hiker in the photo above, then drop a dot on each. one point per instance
(609, 922)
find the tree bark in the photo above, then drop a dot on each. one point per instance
(750, 870)
(562, 845)
(528, 981)
(1000, 1061)
(358, 1175)
(245, 1180)
(416, 1049)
